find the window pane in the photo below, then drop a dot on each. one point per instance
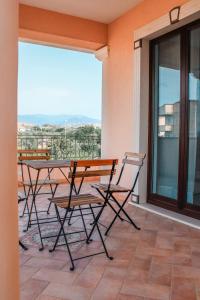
(193, 184)
(166, 114)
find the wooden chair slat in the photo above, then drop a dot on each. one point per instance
(33, 154)
(93, 162)
(135, 155)
(92, 173)
(113, 188)
(41, 182)
(132, 162)
(34, 157)
(27, 151)
(77, 200)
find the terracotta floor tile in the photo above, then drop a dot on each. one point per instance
(138, 275)
(198, 293)
(185, 249)
(58, 254)
(23, 258)
(26, 273)
(183, 289)
(142, 262)
(55, 276)
(165, 242)
(90, 276)
(32, 288)
(148, 238)
(43, 297)
(126, 297)
(153, 251)
(194, 233)
(160, 274)
(186, 272)
(156, 291)
(101, 260)
(67, 292)
(175, 259)
(45, 262)
(115, 273)
(196, 259)
(107, 289)
(120, 263)
(147, 298)
(80, 265)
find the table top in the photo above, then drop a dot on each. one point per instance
(46, 164)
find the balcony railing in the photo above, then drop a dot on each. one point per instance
(62, 147)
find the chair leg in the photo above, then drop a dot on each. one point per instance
(121, 219)
(39, 229)
(25, 207)
(62, 230)
(94, 223)
(53, 194)
(23, 246)
(121, 209)
(49, 208)
(26, 203)
(69, 221)
(83, 221)
(29, 217)
(110, 196)
(102, 240)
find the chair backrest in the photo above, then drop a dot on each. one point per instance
(135, 159)
(92, 168)
(132, 158)
(33, 154)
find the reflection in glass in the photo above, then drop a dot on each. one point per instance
(166, 114)
(193, 184)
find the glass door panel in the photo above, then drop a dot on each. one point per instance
(193, 180)
(166, 117)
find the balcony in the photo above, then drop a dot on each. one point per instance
(162, 260)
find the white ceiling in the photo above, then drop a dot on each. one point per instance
(104, 11)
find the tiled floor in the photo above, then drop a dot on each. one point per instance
(162, 261)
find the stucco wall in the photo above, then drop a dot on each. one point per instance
(118, 103)
(8, 172)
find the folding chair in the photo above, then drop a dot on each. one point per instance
(35, 154)
(135, 159)
(81, 202)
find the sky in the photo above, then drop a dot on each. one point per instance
(58, 81)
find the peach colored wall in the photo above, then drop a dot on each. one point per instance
(56, 28)
(8, 173)
(118, 103)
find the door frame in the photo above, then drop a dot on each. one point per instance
(189, 12)
(180, 205)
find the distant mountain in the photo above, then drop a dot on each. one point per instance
(57, 119)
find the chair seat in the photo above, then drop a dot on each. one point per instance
(113, 188)
(40, 182)
(76, 200)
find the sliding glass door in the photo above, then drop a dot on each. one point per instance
(174, 152)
